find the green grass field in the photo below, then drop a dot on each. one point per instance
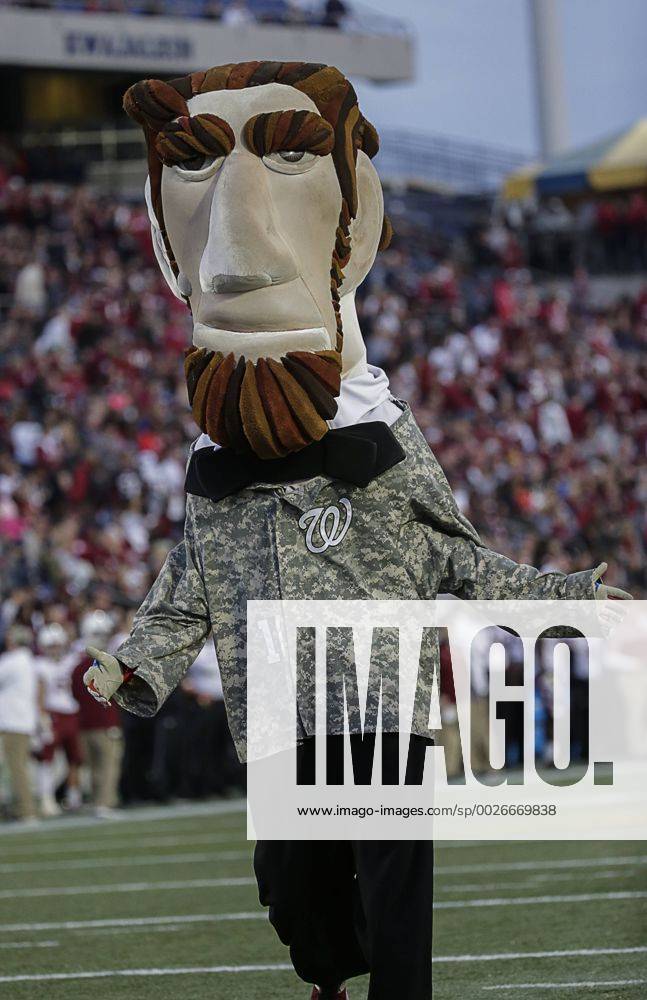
(162, 903)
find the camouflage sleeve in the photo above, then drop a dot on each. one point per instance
(168, 632)
(475, 572)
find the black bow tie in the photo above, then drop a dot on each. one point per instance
(354, 454)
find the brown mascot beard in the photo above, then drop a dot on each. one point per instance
(270, 407)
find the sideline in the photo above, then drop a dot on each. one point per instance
(140, 814)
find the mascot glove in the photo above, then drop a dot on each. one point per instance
(104, 676)
(602, 591)
(610, 614)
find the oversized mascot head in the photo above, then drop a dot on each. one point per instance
(267, 213)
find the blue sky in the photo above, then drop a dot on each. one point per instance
(474, 76)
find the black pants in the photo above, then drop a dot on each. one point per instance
(346, 908)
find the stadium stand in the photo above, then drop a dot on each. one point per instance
(531, 393)
(328, 13)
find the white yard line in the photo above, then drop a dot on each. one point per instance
(146, 814)
(8, 945)
(196, 857)
(450, 845)
(522, 866)
(584, 897)
(109, 888)
(46, 977)
(508, 956)
(126, 922)
(453, 904)
(529, 883)
(589, 985)
(284, 967)
(121, 861)
(166, 929)
(130, 844)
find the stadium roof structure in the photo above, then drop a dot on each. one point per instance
(616, 162)
(368, 45)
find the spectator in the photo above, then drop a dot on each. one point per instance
(237, 14)
(213, 10)
(30, 292)
(55, 667)
(335, 12)
(19, 716)
(209, 765)
(99, 727)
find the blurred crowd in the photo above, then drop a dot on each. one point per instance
(532, 399)
(64, 751)
(604, 235)
(232, 13)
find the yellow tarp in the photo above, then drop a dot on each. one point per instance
(625, 165)
(612, 164)
(521, 184)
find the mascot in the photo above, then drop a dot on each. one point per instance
(309, 480)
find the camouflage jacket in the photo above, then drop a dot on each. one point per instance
(402, 538)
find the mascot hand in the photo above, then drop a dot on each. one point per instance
(609, 613)
(602, 591)
(104, 676)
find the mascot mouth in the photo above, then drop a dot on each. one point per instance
(254, 344)
(267, 406)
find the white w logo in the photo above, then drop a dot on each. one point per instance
(327, 520)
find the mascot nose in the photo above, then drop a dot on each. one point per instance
(224, 283)
(245, 249)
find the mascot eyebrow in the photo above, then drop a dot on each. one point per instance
(296, 131)
(192, 138)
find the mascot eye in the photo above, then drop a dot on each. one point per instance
(198, 167)
(289, 161)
